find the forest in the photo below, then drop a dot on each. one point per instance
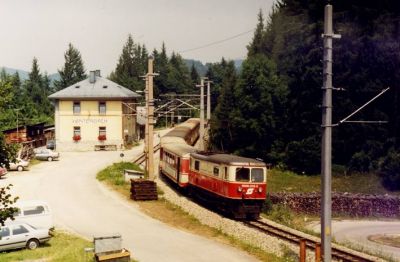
(271, 108)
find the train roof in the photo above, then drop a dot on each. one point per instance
(180, 149)
(227, 159)
(182, 129)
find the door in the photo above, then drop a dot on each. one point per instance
(19, 236)
(5, 238)
(178, 169)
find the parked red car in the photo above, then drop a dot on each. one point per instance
(3, 171)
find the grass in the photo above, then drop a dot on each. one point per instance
(175, 216)
(286, 181)
(63, 247)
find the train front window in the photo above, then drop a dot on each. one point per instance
(257, 175)
(242, 174)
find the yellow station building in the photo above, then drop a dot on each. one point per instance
(94, 114)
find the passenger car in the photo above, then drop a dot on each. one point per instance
(3, 171)
(19, 165)
(51, 144)
(36, 213)
(46, 154)
(21, 235)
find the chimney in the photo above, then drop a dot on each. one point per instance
(92, 77)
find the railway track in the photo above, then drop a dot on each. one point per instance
(142, 157)
(338, 252)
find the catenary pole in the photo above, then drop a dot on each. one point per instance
(326, 148)
(208, 101)
(150, 119)
(201, 139)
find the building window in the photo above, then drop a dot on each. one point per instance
(102, 133)
(77, 130)
(102, 108)
(77, 108)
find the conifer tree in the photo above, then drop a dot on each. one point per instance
(73, 70)
(194, 75)
(131, 66)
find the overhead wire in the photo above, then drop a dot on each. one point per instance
(217, 42)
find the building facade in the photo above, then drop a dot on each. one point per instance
(94, 114)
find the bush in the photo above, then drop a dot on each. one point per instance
(360, 162)
(304, 156)
(389, 170)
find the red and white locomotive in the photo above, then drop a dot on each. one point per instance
(234, 184)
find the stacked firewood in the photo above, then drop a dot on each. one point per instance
(142, 189)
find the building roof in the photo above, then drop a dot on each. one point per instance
(101, 88)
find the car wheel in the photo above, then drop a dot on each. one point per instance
(20, 168)
(50, 159)
(32, 244)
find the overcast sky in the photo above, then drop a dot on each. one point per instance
(99, 29)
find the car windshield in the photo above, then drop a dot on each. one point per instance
(257, 175)
(242, 174)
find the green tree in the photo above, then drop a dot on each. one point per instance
(73, 70)
(131, 66)
(194, 75)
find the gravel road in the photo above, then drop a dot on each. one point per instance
(84, 206)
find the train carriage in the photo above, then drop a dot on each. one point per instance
(237, 183)
(233, 184)
(174, 162)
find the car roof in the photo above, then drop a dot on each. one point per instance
(24, 203)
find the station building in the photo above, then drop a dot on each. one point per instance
(94, 114)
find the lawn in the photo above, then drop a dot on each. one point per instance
(63, 247)
(286, 181)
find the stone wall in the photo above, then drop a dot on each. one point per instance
(342, 204)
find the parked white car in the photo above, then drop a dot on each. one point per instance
(34, 212)
(19, 165)
(46, 154)
(20, 235)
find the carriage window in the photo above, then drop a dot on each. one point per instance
(216, 171)
(197, 165)
(257, 175)
(226, 173)
(242, 174)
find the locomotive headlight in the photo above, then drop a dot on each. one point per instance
(240, 189)
(259, 189)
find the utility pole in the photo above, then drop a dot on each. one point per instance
(326, 149)
(208, 101)
(150, 118)
(146, 127)
(201, 112)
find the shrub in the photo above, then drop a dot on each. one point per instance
(304, 156)
(360, 162)
(389, 170)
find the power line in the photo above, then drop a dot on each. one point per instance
(217, 42)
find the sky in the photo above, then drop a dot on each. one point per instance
(99, 29)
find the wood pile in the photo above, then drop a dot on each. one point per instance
(142, 189)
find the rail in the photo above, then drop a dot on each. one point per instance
(338, 252)
(142, 157)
